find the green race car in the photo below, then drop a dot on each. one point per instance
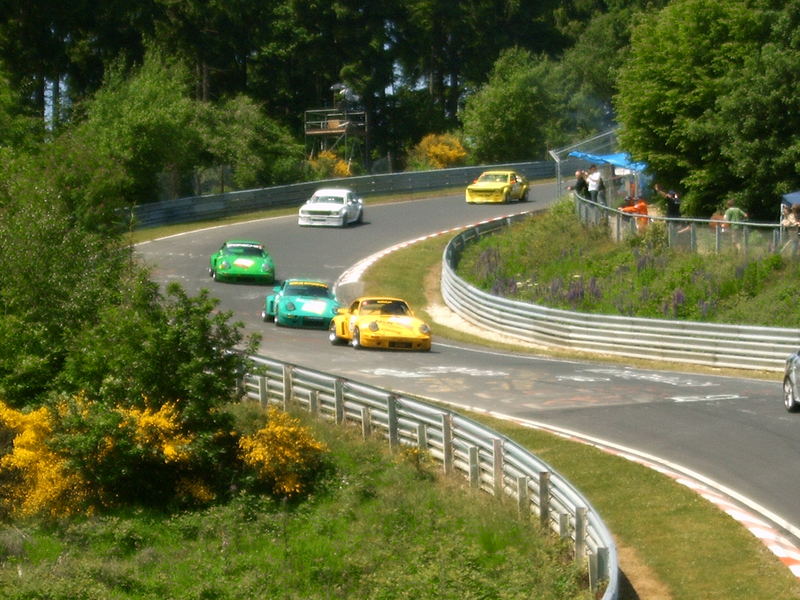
(243, 260)
(300, 303)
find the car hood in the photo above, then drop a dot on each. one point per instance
(311, 304)
(244, 262)
(487, 185)
(326, 206)
(396, 324)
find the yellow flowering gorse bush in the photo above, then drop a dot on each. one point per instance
(441, 150)
(158, 430)
(36, 480)
(283, 453)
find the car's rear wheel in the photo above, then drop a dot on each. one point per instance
(357, 339)
(790, 400)
(524, 197)
(333, 338)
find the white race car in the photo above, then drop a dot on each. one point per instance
(332, 206)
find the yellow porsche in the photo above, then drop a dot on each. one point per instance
(498, 186)
(379, 322)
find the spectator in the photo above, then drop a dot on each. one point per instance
(734, 214)
(593, 182)
(790, 215)
(672, 201)
(580, 187)
(637, 207)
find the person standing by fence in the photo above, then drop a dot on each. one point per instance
(594, 182)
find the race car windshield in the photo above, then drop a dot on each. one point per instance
(384, 308)
(246, 250)
(492, 177)
(317, 291)
(327, 200)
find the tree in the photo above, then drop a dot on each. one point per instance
(507, 119)
(260, 150)
(763, 148)
(685, 60)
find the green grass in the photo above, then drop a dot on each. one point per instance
(382, 526)
(555, 261)
(670, 539)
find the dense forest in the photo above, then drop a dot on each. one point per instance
(105, 105)
(138, 97)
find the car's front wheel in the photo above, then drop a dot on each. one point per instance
(357, 339)
(790, 400)
(333, 338)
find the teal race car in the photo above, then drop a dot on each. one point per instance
(301, 303)
(243, 260)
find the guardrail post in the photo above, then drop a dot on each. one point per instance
(366, 422)
(394, 436)
(497, 466)
(263, 390)
(447, 443)
(338, 400)
(563, 525)
(544, 498)
(288, 384)
(313, 403)
(593, 571)
(474, 468)
(601, 555)
(422, 436)
(522, 497)
(580, 532)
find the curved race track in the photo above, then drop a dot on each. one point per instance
(733, 431)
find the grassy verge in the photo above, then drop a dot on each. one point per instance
(673, 543)
(382, 526)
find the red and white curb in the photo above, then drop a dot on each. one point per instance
(762, 523)
(354, 273)
(759, 521)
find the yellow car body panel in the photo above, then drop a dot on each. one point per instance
(498, 186)
(380, 322)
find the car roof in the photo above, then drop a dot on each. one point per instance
(380, 299)
(302, 281)
(333, 191)
(244, 243)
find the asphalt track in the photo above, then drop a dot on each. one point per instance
(734, 432)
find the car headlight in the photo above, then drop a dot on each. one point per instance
(373, 326)
(266, 267)
(424, 329)
(224, 265)
(290, 306)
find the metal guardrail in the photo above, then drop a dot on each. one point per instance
(490, 461)
(216, 206)
(718, 345)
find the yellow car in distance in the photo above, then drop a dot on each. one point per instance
(379, 322)
(498, 186)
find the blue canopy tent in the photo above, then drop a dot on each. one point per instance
(621, 160)
(791, 198)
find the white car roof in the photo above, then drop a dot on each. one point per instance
(332, 192)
